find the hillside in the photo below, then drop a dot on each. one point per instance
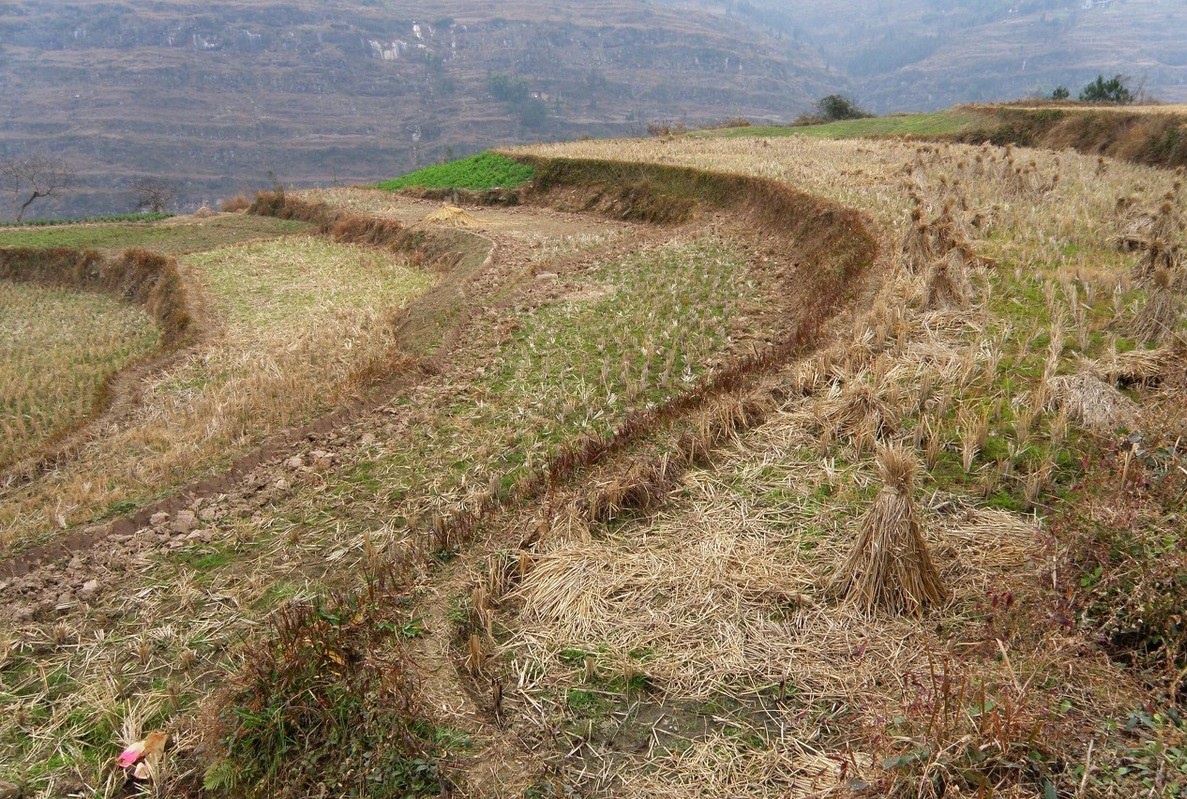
(229, 95)
(928, 54)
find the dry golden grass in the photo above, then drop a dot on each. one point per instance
(299, 323)
(879, 178)
(1169, 108)
(58, 348)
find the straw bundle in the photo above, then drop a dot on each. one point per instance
(450, 216)
(1167, 225)
(1136, 367)
(1159, 256)
(988, 541)
(856, 407)
(917, 247)
(890, 568)
(1091, 403)
(1137, 229)
(725, 766)
(1159, 316)
(947, 283)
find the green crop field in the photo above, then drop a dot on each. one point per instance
(482, 171)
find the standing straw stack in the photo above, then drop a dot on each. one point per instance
(1158, 318)
(890, 568)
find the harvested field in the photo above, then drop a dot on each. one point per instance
(299, 328)
(629, 527)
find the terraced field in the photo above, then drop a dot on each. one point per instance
(589, 495)
(53, 371)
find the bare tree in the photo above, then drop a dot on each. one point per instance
(30, 178)
(153, 194)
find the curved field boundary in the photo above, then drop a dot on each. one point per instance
(837, 257)
(423, 247)
(836, 247)
(145, 278)
(440, 313)
(1149, 137)
(811, 229)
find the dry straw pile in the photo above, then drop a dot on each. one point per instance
(1091, 403)
(450, 216)
(890, 568)
(1159, 317)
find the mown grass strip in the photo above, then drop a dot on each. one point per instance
(178, 236)
(939, 123)
(476, 173)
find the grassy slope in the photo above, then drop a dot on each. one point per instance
(57, 348)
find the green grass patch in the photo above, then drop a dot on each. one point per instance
(483, 171)
(175, 236)
(206, 560)
(145, 216)
(939, 123)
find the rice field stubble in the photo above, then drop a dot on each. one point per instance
(989, 391)
(684, 641)
(300, 325)
(555, 309)
(60, 348)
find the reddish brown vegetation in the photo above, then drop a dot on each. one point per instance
(1144, 138)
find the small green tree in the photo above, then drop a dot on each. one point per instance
(1061, 93)
(836, 107)
(1112, 90)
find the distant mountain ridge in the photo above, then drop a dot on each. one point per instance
(226, 96)
(895, 55)
(230, 95)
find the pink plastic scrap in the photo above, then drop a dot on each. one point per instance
(130, 755)
(144, 755)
